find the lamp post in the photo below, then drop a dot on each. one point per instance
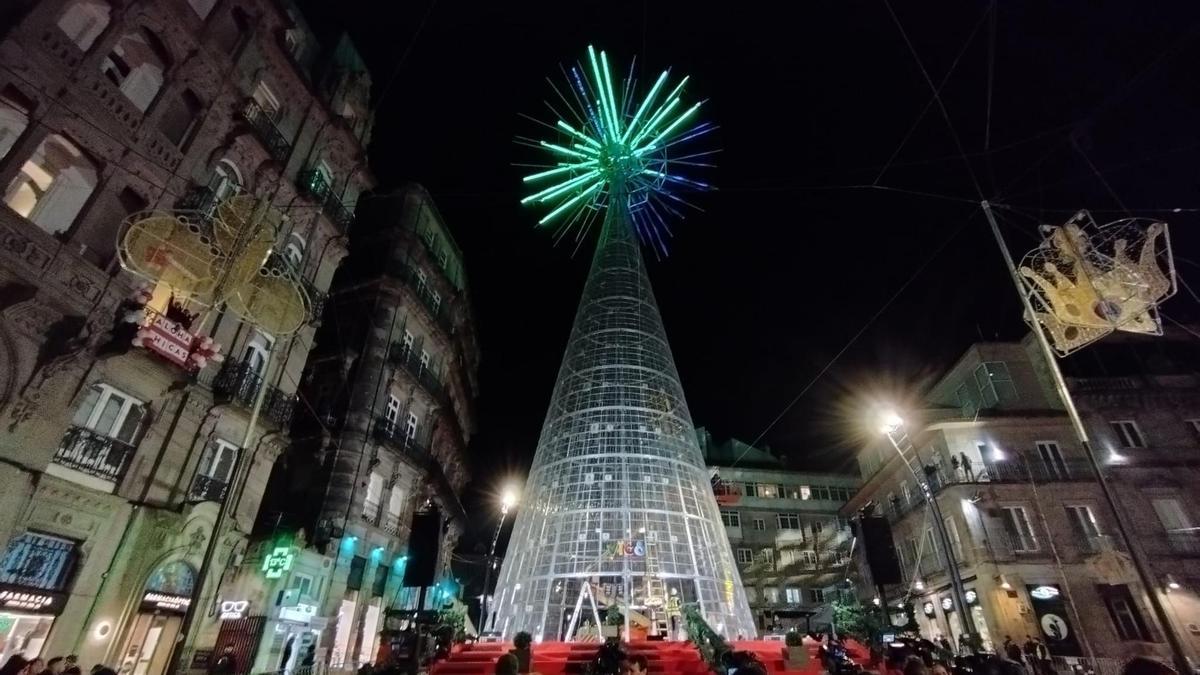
(892, 425)
(507, 501)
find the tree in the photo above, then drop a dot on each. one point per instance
(851, 617)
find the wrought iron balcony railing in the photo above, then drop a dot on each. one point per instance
(207, 489)
(237, 382)
(1184, 543)
(411, 362)
(1009, 471)
(395, 436)
(198, 198)
(95, 454)
(313, 184)
(272, 138)
(437, 309)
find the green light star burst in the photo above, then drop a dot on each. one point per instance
(614, 151)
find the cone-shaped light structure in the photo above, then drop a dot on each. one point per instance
(618, 510)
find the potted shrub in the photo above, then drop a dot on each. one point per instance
(797, 653)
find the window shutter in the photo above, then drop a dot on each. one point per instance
(131, 424)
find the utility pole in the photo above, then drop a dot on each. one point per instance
(1182, 665)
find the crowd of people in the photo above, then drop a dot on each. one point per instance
(18, 664)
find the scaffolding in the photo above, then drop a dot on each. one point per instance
(618, 498)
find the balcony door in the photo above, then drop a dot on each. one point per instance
(258, 353)
(110, 412)
(1052, 459)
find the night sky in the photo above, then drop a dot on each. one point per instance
(787, 264)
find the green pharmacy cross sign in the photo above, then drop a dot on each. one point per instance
(278, 562)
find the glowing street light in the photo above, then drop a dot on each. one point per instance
(890, 422)
(508, 499)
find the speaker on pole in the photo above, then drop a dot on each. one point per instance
(424, 540)
(879, 549)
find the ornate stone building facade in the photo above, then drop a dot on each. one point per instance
(392, 381)
(115, 459)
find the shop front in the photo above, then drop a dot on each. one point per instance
(939, 615)
(155, 627)
(26, 616)
(291, 642)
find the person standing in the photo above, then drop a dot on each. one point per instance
(522, 649)
(1029, 649)
(1042, 653)
(55, 666)
(1011, 649)
(226, 663)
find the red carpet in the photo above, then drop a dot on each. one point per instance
(560, 658)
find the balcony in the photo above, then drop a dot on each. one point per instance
(435, 308)
(200, 199)
(394, 436)
(207, 489)
(95, 455)
(1184, 543)
(273, 140)
(1009, 472)
(313, 184)
(236, 382)
(411, 362)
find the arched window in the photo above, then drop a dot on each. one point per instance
(14, 118)
(53, 184)
(136, 65)
(84, 21)
(294, 251)
(226, 181)
(182, 119)
(202, 7)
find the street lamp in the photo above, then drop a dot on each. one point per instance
(508, 499)
(892, 425)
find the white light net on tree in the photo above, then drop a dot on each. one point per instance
(618, 497)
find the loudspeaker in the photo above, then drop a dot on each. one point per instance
(881, 553)
(424, 539)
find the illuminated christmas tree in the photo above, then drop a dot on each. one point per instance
(618, 511)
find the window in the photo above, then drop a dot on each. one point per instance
(930, 552)
(792, 595)
(294, 251)
(435, 300)
(768, 490)
(772, 594)
(731, 518)
(751, 594)
(443, 259)
(767, 557)
(1083, 521)
(968, 400)
(1171, 515)
(374, 495)
(422, 282)
(407, 344)
(817, 528)
(816, 595)
(805, 492)
(808, 559)
(1052, 459)
(395, 505)
(1128, 434)
(424, 360)
(788, 521)
(893, 503)
(760, 525)
(84, 21)
(301, 584)
(36, 560)
(258, 351)
(952, 535)
(131, 201)
(216, 462)
(410, 427)
(905, 493)
(182, 119)
(110, 412)
(745, 556)
(14, 119)
(995, 384)
(1126, 618)
(821, 492)
(53, 185)
(202, 7)
(226, 181)
(1020, 532)
(267, 101)
(136, 66)
(1194, 425)
(391, 415)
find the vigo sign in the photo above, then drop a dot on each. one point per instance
(636, 549)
